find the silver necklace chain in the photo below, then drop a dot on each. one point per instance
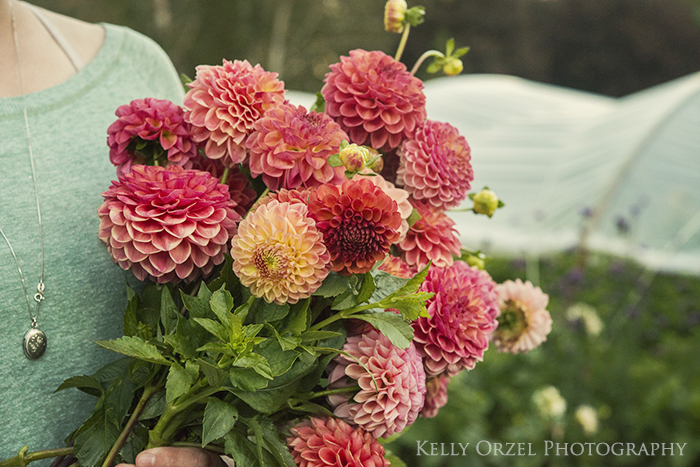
(39, 295)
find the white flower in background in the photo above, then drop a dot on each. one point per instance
(588, 315)
(549, 402)
(588, 418)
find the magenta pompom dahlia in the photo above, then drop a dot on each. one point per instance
(290, 148)
(330, 442)
(149, 126)
(374, 98)
(167, 223)
(524, 321)
(359, 223)
(432, 238)
(397, 398)
(462, 317)
(435, 396)
(436, 165)
(224, 102)
(279, 254)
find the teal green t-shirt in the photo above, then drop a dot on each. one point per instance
(85, 290)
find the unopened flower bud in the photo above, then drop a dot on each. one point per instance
(354, 157)
(485, 202)
(473, 260)
(375, 162)
(453, 67)
(394, 15)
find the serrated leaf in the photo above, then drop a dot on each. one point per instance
(198, 307)
(386, 285)
(135, 347)
(217, 329)
(297, 322)
(311, 336)
(240, 449)
(216, 377)
(333, 285)
(278, 359)
(131, 321)
(154, 407)
(168, 312)
(256, 362)
(95, 438)
(412, 306)
(247, 379)
(217, 347)
(134, 444)
(186, 340)
(264, 312)
(367, 288)
(399, 332)
(221, 303)
(344, 301)
(257, 431)
(308, 407)
(219, 419)
(179, 382)
(275, 444)
(87, 384)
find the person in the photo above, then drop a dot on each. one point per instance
(69, 77)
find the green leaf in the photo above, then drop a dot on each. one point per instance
(278, 359)
(198, 307)
(367, 288)
(461, 51)
(131, 321)
(154, 407)
(394, 461)
(412, 306)
(240, 449)
(319, 104)
(434, 67)
(95, 438)
(308, 407)
(135, 347)
(311, 336)
(179, 382)
(247, 379)
(275, 444)
(216, 377)
(256, 362)
(204, 293)
(185, 340)
(87, 384)
(344, 301)
(169, 315)
(450, 46)
(413, 218)
(112, 371)
(257, 431)
(297, 322)
(219, 419)
(217, 329)
(414, 283)
(134, 444)
(391, 325)
(221, 304)
(334, 160)
(333, 285)
(386, 285)
(226, 278)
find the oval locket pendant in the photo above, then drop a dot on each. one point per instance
(34, 343)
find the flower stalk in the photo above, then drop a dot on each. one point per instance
(23, 458)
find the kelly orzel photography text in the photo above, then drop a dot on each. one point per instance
(549, 448)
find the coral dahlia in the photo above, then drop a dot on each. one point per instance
(290, 147)
(397, 267)
(329, 442)
(524, 321)
(391, 395)
(279, 254)
(224, 102)
(374, 98)
(436, 165)
(436, 396)
(432, 238)
(462, 317)
(359, 223)
(167, 223)
(397, 194)
(147, 127)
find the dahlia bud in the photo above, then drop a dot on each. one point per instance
(474, 260)
(453, 67)
(354, 157)
(394, 15)
(486, 202)
(375, 162)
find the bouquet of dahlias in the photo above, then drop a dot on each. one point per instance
(307, 295)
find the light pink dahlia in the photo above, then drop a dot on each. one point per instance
(462, 318)
(436, 165)
(397, 194)
(167, 223)
(436, 396)
(148, 129)
(524, 321)
(374, 98)
(224, 102)
(397, 398)
(330, 442)
(278, 253)
(432, 237)
(359, 223)
(238, 185)
(290, 148)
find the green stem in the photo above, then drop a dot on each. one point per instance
(402, 44)
(343, 314)
(23, 457)
(224, 176)
(148, 391)
(421, 59)
(330, 392)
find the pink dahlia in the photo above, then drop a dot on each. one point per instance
(524, 321)
(397, 194)
(359, 223)
(290, 147)
(374, 98)
(390, 396)
(432, 237)
(397, 267)
(436, 396)
(145, 130)
(242, 193)
(329, 442)
(462, 317)
(436, 165)
(167, 223)
(288, 196)
(224, 102)
(279, 254)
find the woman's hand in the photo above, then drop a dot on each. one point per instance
(178, 457)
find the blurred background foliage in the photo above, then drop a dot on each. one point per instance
(641, 372)
(612, 47)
